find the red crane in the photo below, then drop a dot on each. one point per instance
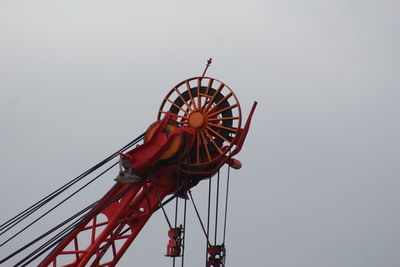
(198, 130)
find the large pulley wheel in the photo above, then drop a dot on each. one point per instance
(213, 110)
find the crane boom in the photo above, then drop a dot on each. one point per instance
(129, 212)
(126, 207)
(198, 133)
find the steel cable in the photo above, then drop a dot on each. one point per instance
(176, 222)
(64, 233)
(208, 213)
(162, 207)
(226, 204)
(56, 206)
(6, 226)
(198, 216)
(216, 211)
(184, 233)
(45, 234)
(27, 212)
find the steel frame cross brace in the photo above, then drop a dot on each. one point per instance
(125, 217)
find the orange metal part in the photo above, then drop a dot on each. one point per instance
(175, 144)
(201, 125)
(212, 109)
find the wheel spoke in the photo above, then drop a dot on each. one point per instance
(210, 82)
(214, 95)
(205, 144)
(184, 111)
(198, 92)
(183, 99)
(206, 95)
(219, 135)
(198, 147)
(223, 127)
(219, 102)
(224, 118)
(190, 94)
(213, 142)
(222, 110)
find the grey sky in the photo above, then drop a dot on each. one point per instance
(320, 179)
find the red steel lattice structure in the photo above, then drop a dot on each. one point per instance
(194, 136)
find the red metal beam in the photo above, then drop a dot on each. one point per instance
(131, 211)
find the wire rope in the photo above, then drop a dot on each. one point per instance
(184, 233)
(60, 236)
(46, 234)
(198, 216)
(176, 221)
(60, 203)
(6, 226)
(208, 213)
(159, 207)
(49, 244)
(216, 211)
(178, 180)
(162, 207)
(226, 204)
(83, 220)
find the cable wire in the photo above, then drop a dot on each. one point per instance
(81, 221)
(226, 204)
(216, 211)
(176, 221)
(61, 202)
(162, 207)
(45, 234)
(9, 224)
(208, 213)
(198, 216)
(60, 236)
(184, 233)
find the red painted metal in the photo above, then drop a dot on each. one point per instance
(111, 226)
(124, 216)
(174, 247)
(131, 211)
(216, 256)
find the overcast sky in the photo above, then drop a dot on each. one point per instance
(320, 179)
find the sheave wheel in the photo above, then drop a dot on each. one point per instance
(213, 110)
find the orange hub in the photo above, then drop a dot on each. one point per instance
(196, 120)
